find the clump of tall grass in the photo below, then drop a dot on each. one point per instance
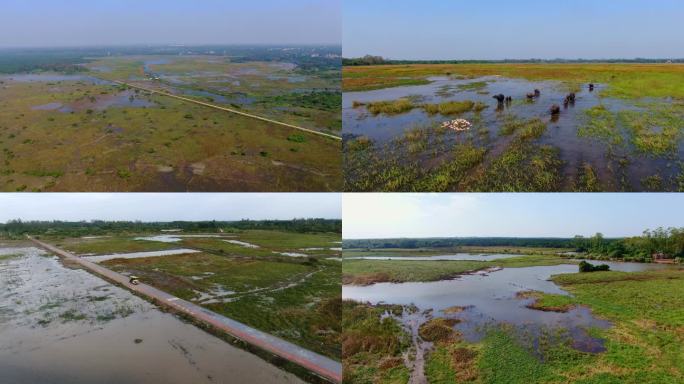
(392, 107)
(450, 107)
(587, 180)
(527, 129)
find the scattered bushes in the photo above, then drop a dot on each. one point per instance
(296, 138)
(588, 267)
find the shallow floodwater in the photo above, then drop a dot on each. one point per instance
(458, 256)
(235, 98)
(489, 298)
(561, 133)
(137, 255)
(61, 325)
(53, 77)
(175, 238)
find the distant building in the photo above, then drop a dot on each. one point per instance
(661, 258)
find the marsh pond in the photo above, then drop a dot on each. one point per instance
(398, 138)
(64, 325)
(464, 311)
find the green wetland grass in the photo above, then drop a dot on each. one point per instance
(163, 145)
(644, 343)
(638, 120)
(296, 298)
(522, 166)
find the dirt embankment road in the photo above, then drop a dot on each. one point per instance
(318, 364)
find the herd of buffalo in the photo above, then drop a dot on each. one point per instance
(555, 108)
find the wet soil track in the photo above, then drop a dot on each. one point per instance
(317, 364)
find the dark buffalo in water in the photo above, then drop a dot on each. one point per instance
(537, 93)
(555, 109)
(500, 98)
(569, 99)
(591, 87)
(530, 96)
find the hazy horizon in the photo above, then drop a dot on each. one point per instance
(82, 23)
(563, 215)
(168, 206)
(160, 45)
(525, 29)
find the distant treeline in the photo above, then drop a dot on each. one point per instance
(377, 60)
(450, 242)
(307, 58)
(665, 243)
(18, 228)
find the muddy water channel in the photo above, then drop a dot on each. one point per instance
(489, 299)
(618, 167)
(63, 325)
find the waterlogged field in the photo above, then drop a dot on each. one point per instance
(64, 325)
(624, 134)
(287, 284)
(535, 320)
(83, 132)
(279, 90)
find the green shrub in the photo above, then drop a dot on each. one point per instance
(588, 267)
(297, 138)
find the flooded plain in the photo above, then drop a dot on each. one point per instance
(53, 77)
(138, 255)
(562, 131)
(177, 238)
(63, 325)
(490, 298)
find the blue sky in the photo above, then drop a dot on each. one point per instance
(168, 206)
(390, 215)
(126, 22)
(521, 29)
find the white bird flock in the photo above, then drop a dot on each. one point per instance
(457, 125)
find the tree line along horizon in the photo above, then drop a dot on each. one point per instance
(18, 229)
(659, 242)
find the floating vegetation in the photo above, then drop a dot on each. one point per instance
(600, 123)
(655, 131)
(476, 86)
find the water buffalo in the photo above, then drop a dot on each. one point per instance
(500, 98)
(591, 87)
(530, 96)
(555, 109)
(537, 93)
(569, 99)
